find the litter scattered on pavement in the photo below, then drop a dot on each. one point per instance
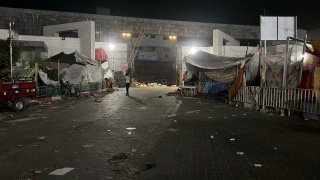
(61, 172)
(88, 145)
(233, 115)
(225, 117)
(143, 154)
(306, 119)
(108, 130)
(211, 137)
(41, 137)
(133, 150)
(118, 158)
(35, 145)
(210, 117)
(244, 114)
(257, 165)
(232, 139)
(160, 96)
(131, 128)
(150, 166)
(143, 108)
(171, 115)
(37, 172)
(240, 153)
(129, 133)
(171, 130)
(175, 121)
(275, 148)
(216, 133)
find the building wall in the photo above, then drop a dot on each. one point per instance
(55, 44)
(29, 21)
(238, 51)
(218, 42)
(86, 33)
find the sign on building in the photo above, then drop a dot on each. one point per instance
(277, 28)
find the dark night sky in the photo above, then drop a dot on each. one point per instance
(244, 12)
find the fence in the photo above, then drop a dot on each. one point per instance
(303, 100)
(46, 91)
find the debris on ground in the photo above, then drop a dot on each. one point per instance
(172, 115)
(127, 167)
(118, 158)
(244, 114)
(150, 166)
(232, 139)
(275, 148)
(131, 128)
(41, 137)
(160, 96)
(133, 150)
(87, 145)
(143, 108)
(240, 153)
(171, 130)
(61, 172)
(257, 165)
(175, 121)
(109, 130)
(209, 117)
(212, 137)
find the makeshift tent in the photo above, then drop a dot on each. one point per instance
(77, 68)
(215, 72)
(100, 54)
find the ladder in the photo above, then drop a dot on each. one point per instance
(135, 48)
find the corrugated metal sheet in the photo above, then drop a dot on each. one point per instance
(22, 73)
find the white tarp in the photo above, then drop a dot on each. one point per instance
(44, 78)
(206, 61)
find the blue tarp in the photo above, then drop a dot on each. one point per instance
(214, 87)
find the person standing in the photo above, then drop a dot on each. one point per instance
(127, 83)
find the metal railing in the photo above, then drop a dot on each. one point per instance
(303, 100)
(46, 91)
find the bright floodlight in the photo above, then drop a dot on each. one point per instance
(111, 47)
(193, 50)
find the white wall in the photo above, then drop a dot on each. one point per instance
(238, 51)
(218, 38)
(86, 33)
(4, 34)
(55, 44)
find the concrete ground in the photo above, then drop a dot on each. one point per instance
(170, 138)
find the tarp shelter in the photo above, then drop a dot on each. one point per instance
(77, 68)
(217, 68)
(215, 72)
(100, 54)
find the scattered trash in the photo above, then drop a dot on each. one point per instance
(37, 172)
(275, 148)
(61, 172)
(270, 114)
(109, 177)
(20, 145)
(74, 126)
(175, 121)
(109, 130)
(232, 139)
(233, 115)
(216, 133)
(150, 166)
(237, 105)
(129, 133)
(171, 115)
(88, 145)
(41, 137)
(171, 130)
(160, 96)
(306, 119)
(225, 117)
(209, 117)
(143, 154)
(211, 137)
(143, 108)
(240, 153)
(35, 145)
(118, 158)
(131, 128)
(257, 165)
(11, 115)
(133, 150)
(56, 151)
(244, 114)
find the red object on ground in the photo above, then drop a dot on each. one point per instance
(101, 54)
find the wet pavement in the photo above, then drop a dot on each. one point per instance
(149, 135)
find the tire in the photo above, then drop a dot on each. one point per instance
(65, 94)
(18, 105)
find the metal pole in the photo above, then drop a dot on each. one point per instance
(10, 38)
(285, 65)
